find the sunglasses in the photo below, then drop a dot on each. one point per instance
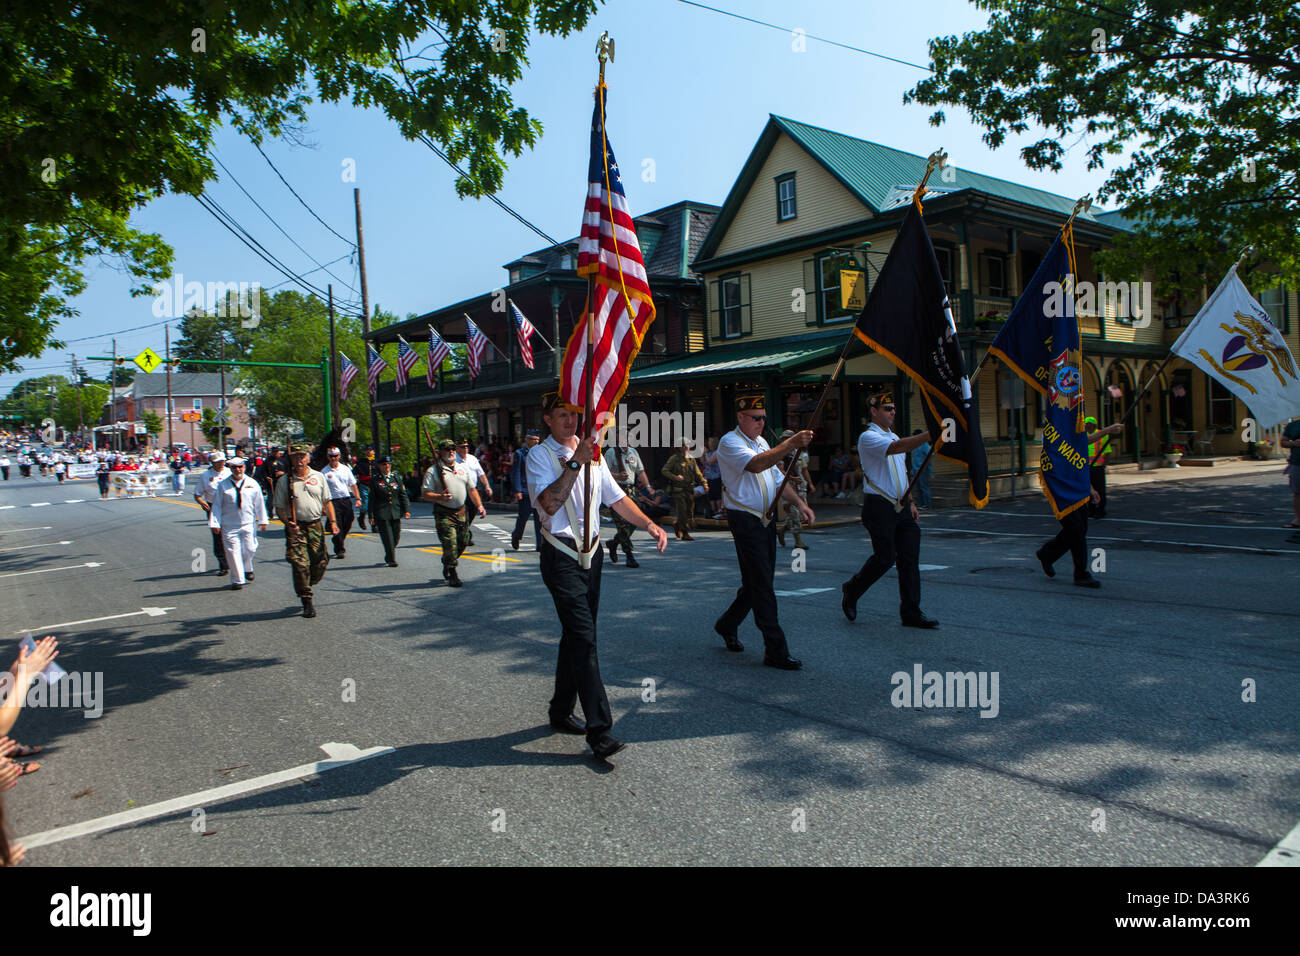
(757, 418)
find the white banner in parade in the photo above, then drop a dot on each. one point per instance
(1234, 341)
(80, 469)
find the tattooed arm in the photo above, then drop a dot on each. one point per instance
(557, 492)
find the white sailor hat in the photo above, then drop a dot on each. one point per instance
(232, 462)
(217, 456)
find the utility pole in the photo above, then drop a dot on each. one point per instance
(365, 309)
(221, 415)
(81, 422)
(334, 364)
(167, 338)
(112, 398)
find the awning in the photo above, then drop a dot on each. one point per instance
(725, 362)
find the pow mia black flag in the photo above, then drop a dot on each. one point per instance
(908, 320)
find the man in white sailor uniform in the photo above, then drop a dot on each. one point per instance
(238, 511)
(205, 494)
(889, 514)
(572, 574)
(750, 478)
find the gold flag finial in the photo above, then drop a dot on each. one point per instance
(605, 48)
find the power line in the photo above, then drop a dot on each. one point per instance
(350, 242)
(764, 23)
(447, 159)
(276, 224)
(226, 219)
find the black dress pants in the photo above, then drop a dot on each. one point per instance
(1097, 474)
(756, 551)
(576, 594)
(895, 538)
(343, 515)
(390, 532)
(1073, 537)
(219, 547)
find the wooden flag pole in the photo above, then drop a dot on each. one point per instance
(934, 445)
(604, 52)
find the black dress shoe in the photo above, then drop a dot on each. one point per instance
(633, 562)
(847, 605)
(731, 640)
(251, 576)
(568, 725)
(921, 621)
(221, 571)
(1047, 568)
(606, 747)
(514, 544)
(788, 664)
(392, 564)
(1088, 582)
(236, 587)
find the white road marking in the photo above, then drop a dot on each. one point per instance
(1092, 537)
(40, 504)
(73, 501)
(44, 527)
(24, 547)
(340, 755)
(70, 567)
(801, 592)
(932, 567)
(7, 507)
(1286, 853)
(1170, 524)
(150, 611)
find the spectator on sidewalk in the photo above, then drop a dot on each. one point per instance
(1291, 440)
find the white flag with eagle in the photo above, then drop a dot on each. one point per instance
(1234, 341)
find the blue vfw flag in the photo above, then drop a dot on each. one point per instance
(1044, 349)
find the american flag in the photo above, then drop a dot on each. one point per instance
(406, 359)
(477, 343)
(347, 372)
(375, 364)
(438, 352)
(623, 309)
(523, 329)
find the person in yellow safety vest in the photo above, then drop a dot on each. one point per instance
(1098, 452)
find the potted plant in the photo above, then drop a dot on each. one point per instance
(1173, 453)
(1263, 450)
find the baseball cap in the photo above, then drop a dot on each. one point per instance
(445, 444)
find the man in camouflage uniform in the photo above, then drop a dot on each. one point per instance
(684, 473)
(301, 500)
(625, 465)
(791, 520)
(388, 504)
(450, 486)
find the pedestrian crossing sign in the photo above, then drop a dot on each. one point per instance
(148, 360)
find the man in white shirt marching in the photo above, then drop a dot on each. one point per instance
(239, 511)
(479, 477)
(206, 494)
(343, 492)
(895, 535)
(572, 573)
(750, 479)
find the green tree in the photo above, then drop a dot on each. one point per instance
(153, 422)
(1195, 106)
(107, 104)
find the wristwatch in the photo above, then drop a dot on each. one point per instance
(572, 465)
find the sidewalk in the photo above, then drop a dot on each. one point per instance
(1123, 475)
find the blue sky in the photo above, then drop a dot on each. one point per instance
(689, 89)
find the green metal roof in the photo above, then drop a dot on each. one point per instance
(766, 355)
(873, 172)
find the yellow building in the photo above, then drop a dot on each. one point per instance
(810, 202)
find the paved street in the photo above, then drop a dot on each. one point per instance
(1126, 701)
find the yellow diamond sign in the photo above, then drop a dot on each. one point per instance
(148, 360)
